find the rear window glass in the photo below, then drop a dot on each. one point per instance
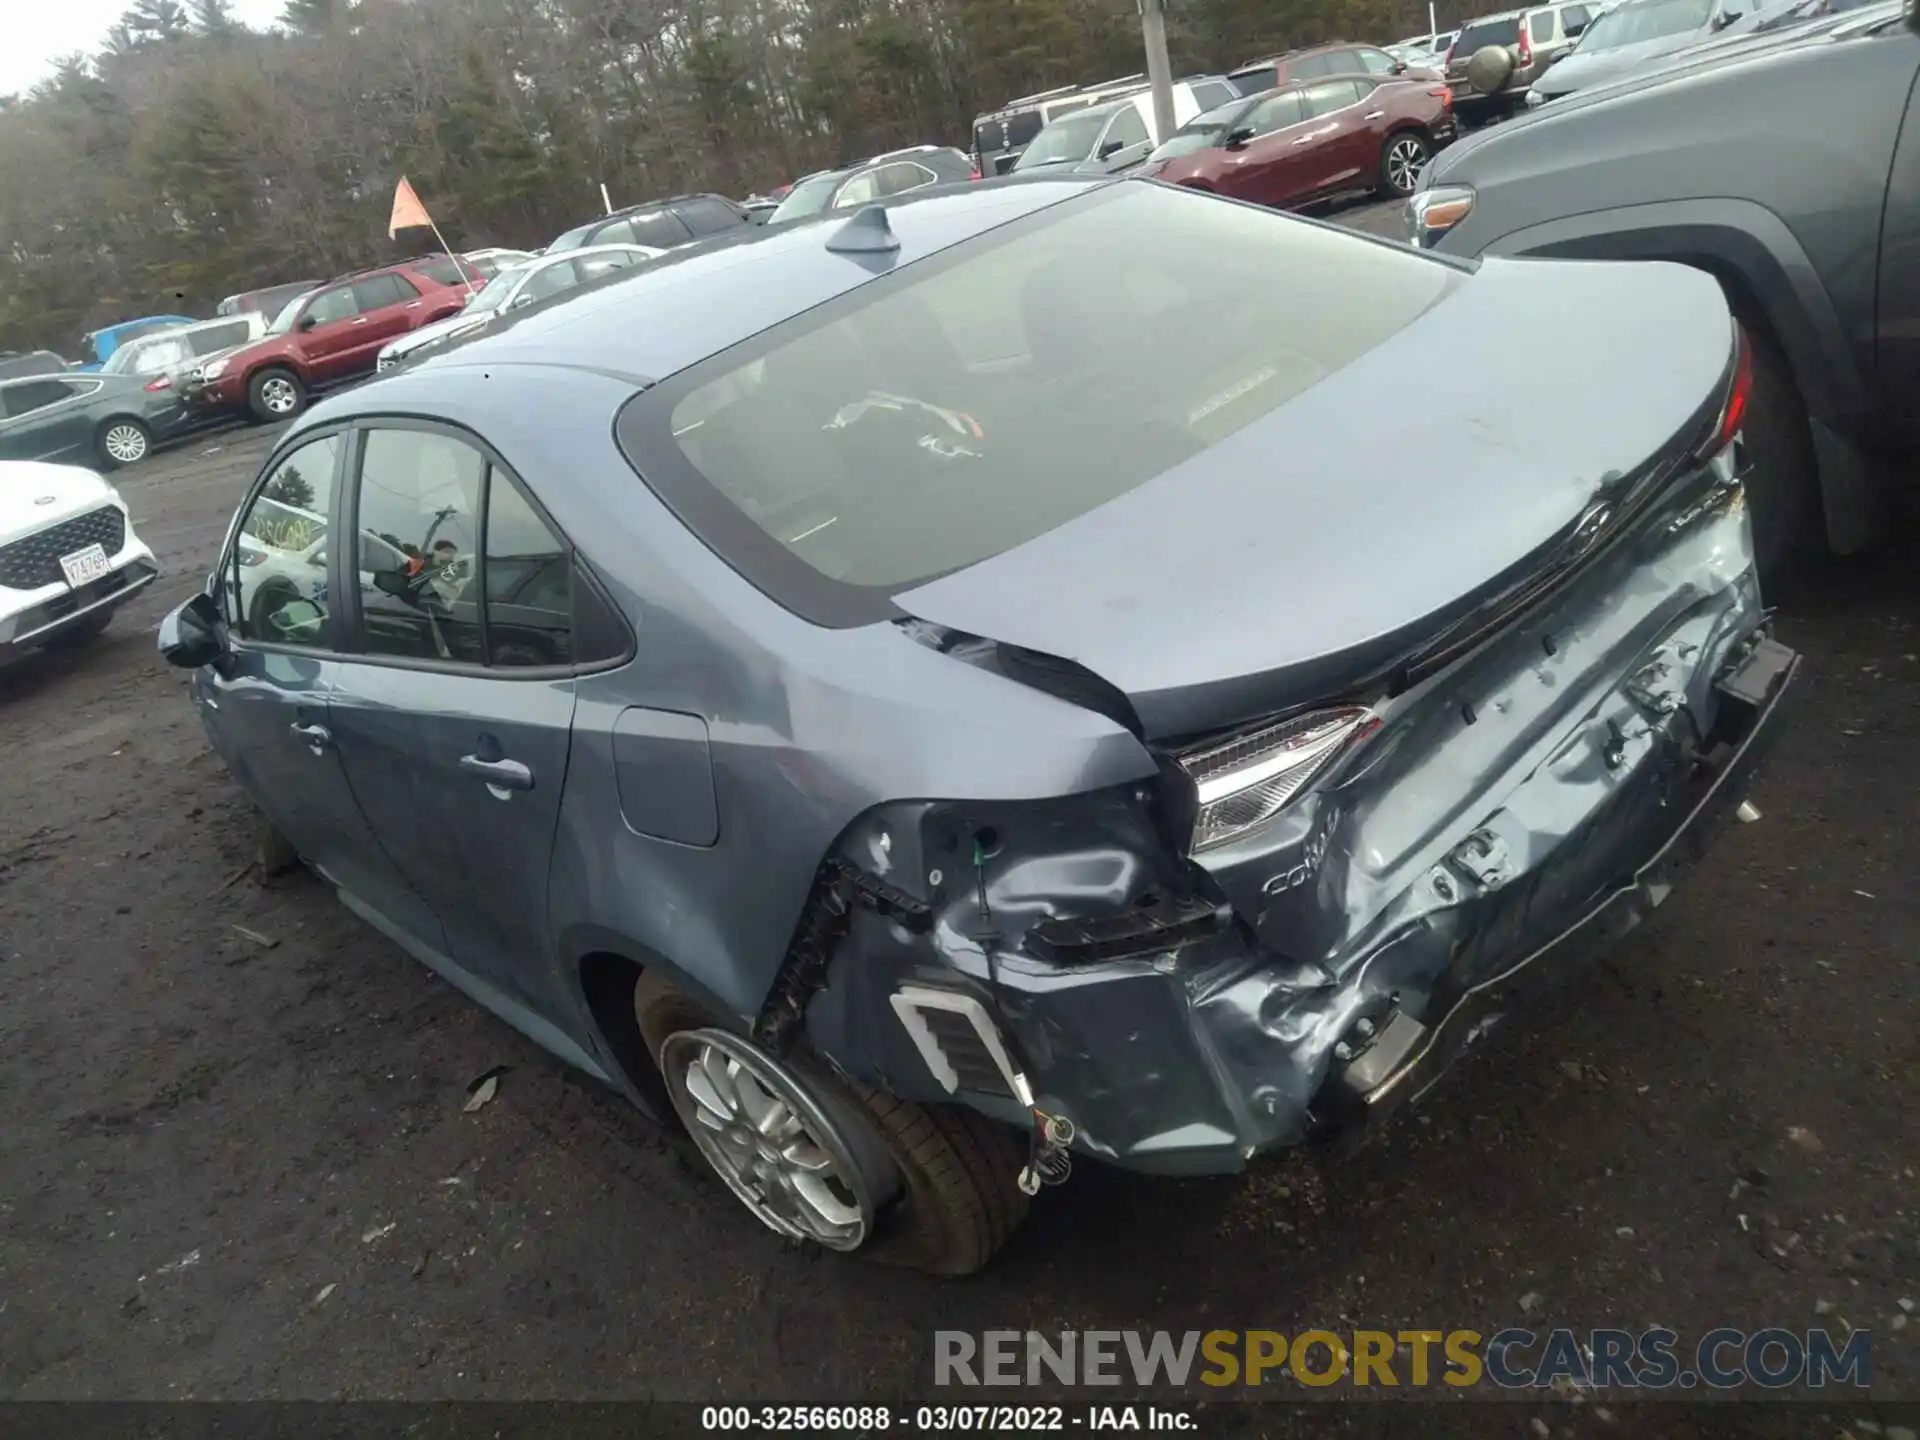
(988, 136)
(1645, 20)
(1502, 31)
(973, 401)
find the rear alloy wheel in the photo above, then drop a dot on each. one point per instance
(818, 1157)
(1402, 162)
(124, 442)
(276, 395)
(765, 1134)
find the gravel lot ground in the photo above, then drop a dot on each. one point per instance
(235, 1170)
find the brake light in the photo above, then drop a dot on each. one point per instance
(1526, 47)
(1444, 95)
(160, 382)
(976, 173)
(1734, 411)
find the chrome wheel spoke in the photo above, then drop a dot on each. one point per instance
(768, 1138)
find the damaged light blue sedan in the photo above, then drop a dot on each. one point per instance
(1040, 673)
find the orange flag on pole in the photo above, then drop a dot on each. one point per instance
(408, 212)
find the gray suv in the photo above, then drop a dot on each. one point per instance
(1496, 58)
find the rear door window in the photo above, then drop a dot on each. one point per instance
(1377, 62)
(1274, 114)
(706, 215)
(31, 395)
(1328, 96)
(419, 531)
(1308, 67)
(1540, 27)
(659, 228)
(376, 292)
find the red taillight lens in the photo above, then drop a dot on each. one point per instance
(1526, 48)
(1444, 95)
(1734, 411)
(160, 382)
(976, 173)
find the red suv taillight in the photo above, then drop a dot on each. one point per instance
(160, 382)
(1444, 95)
(1526, 47)
(1733, 411)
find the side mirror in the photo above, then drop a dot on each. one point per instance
(192, 635)
(1399, 67)
(307, 322)
(1108, 149)
(1238, 138)
(1725, 18)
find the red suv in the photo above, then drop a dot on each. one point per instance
(332, 335)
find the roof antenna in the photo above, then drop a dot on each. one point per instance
(867, 233)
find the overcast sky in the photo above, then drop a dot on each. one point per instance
(38, 32)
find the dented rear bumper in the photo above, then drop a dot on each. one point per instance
(1513, 816)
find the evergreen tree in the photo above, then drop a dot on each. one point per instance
(215, 19)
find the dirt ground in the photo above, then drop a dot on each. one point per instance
(234, 1161)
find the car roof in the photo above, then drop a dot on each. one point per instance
(698, 300)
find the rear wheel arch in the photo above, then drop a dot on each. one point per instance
(1773, 288)
(1753, 255)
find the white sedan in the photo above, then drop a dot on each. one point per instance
(68, 555)
(518, 286)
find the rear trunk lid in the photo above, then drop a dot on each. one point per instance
(1351, 524)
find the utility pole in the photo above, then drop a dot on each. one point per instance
(1153, 30)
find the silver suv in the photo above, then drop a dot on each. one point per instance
(1497, 57)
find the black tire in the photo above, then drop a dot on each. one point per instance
(1783, 488)
(275, 393)
(959, 1200)
(1403, 158)
(123, 440)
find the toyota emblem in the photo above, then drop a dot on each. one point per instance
(45, 499)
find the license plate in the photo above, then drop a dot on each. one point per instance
(84, 565)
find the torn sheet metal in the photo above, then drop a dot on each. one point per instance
(1189, 1013)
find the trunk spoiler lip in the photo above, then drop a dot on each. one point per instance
(1383, 666)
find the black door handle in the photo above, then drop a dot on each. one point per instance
(503, 774)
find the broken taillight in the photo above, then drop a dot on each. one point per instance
(1733, 411)
(1246, 780)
